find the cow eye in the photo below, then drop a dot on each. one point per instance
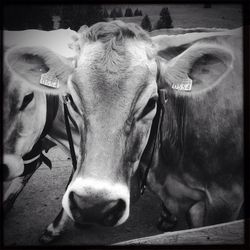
(26, 100)
(149, 107)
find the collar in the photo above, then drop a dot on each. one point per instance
(30, 159)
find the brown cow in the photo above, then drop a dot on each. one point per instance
(30, 115)
(197, 167)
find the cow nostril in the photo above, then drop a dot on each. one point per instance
(5, 171)
(72, 200)
(114, 212)
(119, 206)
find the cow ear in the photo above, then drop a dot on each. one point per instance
(82, 29)
(40, 68)
(198, 68)
(176, 42)
(81, 38)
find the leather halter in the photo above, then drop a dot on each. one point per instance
(35, 155)
(154, 137)
(66, 100)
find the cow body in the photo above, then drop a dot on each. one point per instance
(199, 167)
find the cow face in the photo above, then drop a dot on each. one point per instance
(24, 119)
(115, 92)
(24, 108)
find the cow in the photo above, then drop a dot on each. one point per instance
(121, 81)
(30, 115)
(198, 164)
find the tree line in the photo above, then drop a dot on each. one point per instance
(164, 22)
(19, 17)
(117, 12)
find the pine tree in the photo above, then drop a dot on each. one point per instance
(165, 20)
(105, 13)
(20, 17)
(136, 13)
(146, 23)
(128, 12)
(119, 13)
(74, 16)
(113, 13)
(140, 13)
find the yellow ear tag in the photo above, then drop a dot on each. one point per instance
(185, 85)
(49, 79)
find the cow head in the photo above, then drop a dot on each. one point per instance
(24, 108)
(24, 118)
(114, 89)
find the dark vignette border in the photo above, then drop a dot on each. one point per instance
(246, 56)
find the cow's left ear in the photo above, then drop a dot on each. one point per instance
(40, 68)
(199, 68)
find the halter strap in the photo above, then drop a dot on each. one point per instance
(66, 100)
(154, 137)
(30, 159)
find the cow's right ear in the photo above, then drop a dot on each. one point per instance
(40, 68)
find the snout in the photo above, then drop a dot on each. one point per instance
(89, 201)
(12, 166)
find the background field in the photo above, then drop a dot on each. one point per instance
(189, 15)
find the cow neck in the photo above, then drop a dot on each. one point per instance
(36, 156)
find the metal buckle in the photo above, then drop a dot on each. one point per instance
(66, 99)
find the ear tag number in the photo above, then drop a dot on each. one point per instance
(49, 79)
(185, 85)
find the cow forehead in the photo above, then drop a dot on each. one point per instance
(134, 51)
(111, 79)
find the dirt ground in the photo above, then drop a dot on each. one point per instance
(40, 201)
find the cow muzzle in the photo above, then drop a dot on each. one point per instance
(12, 166)
(88, 201)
